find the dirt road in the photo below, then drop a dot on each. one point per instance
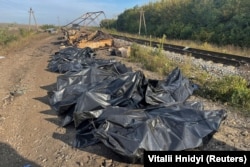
(30, 132)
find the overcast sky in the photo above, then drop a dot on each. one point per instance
(61, 11)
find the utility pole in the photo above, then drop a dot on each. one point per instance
(58, 19)
(142, 18)
(31, 13)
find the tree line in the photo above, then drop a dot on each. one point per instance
(220, 22)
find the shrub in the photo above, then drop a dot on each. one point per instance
(24, 32)
(229, 89)
(6, 37)
(47, 26)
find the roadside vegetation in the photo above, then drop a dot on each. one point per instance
(47, 26)
(218, 22)
(14, 37)
(6, 37)
(230, 90)
(215, 25)
(228, 49)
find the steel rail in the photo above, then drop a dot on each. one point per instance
(217, 57)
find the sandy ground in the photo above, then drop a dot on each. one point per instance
(30, 132)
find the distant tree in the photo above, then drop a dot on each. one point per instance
(108, 23)
(217, 21)
(47, 26)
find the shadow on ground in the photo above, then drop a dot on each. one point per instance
(100, 149)
(10, 158)
(50, 87)
(60, 41)
(44, 99)
(68, 137)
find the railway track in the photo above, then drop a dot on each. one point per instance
(217, 57)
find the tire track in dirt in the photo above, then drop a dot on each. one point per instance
(29, 126)
(23, 125)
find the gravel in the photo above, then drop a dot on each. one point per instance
(214, 69)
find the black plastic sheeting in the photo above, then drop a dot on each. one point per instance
(127, 112)
(70, 59)
(175, 127)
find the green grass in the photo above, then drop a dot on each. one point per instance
(154, 60)
(231, 90)
(6, 37)
(228, 49)
(16, 37)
